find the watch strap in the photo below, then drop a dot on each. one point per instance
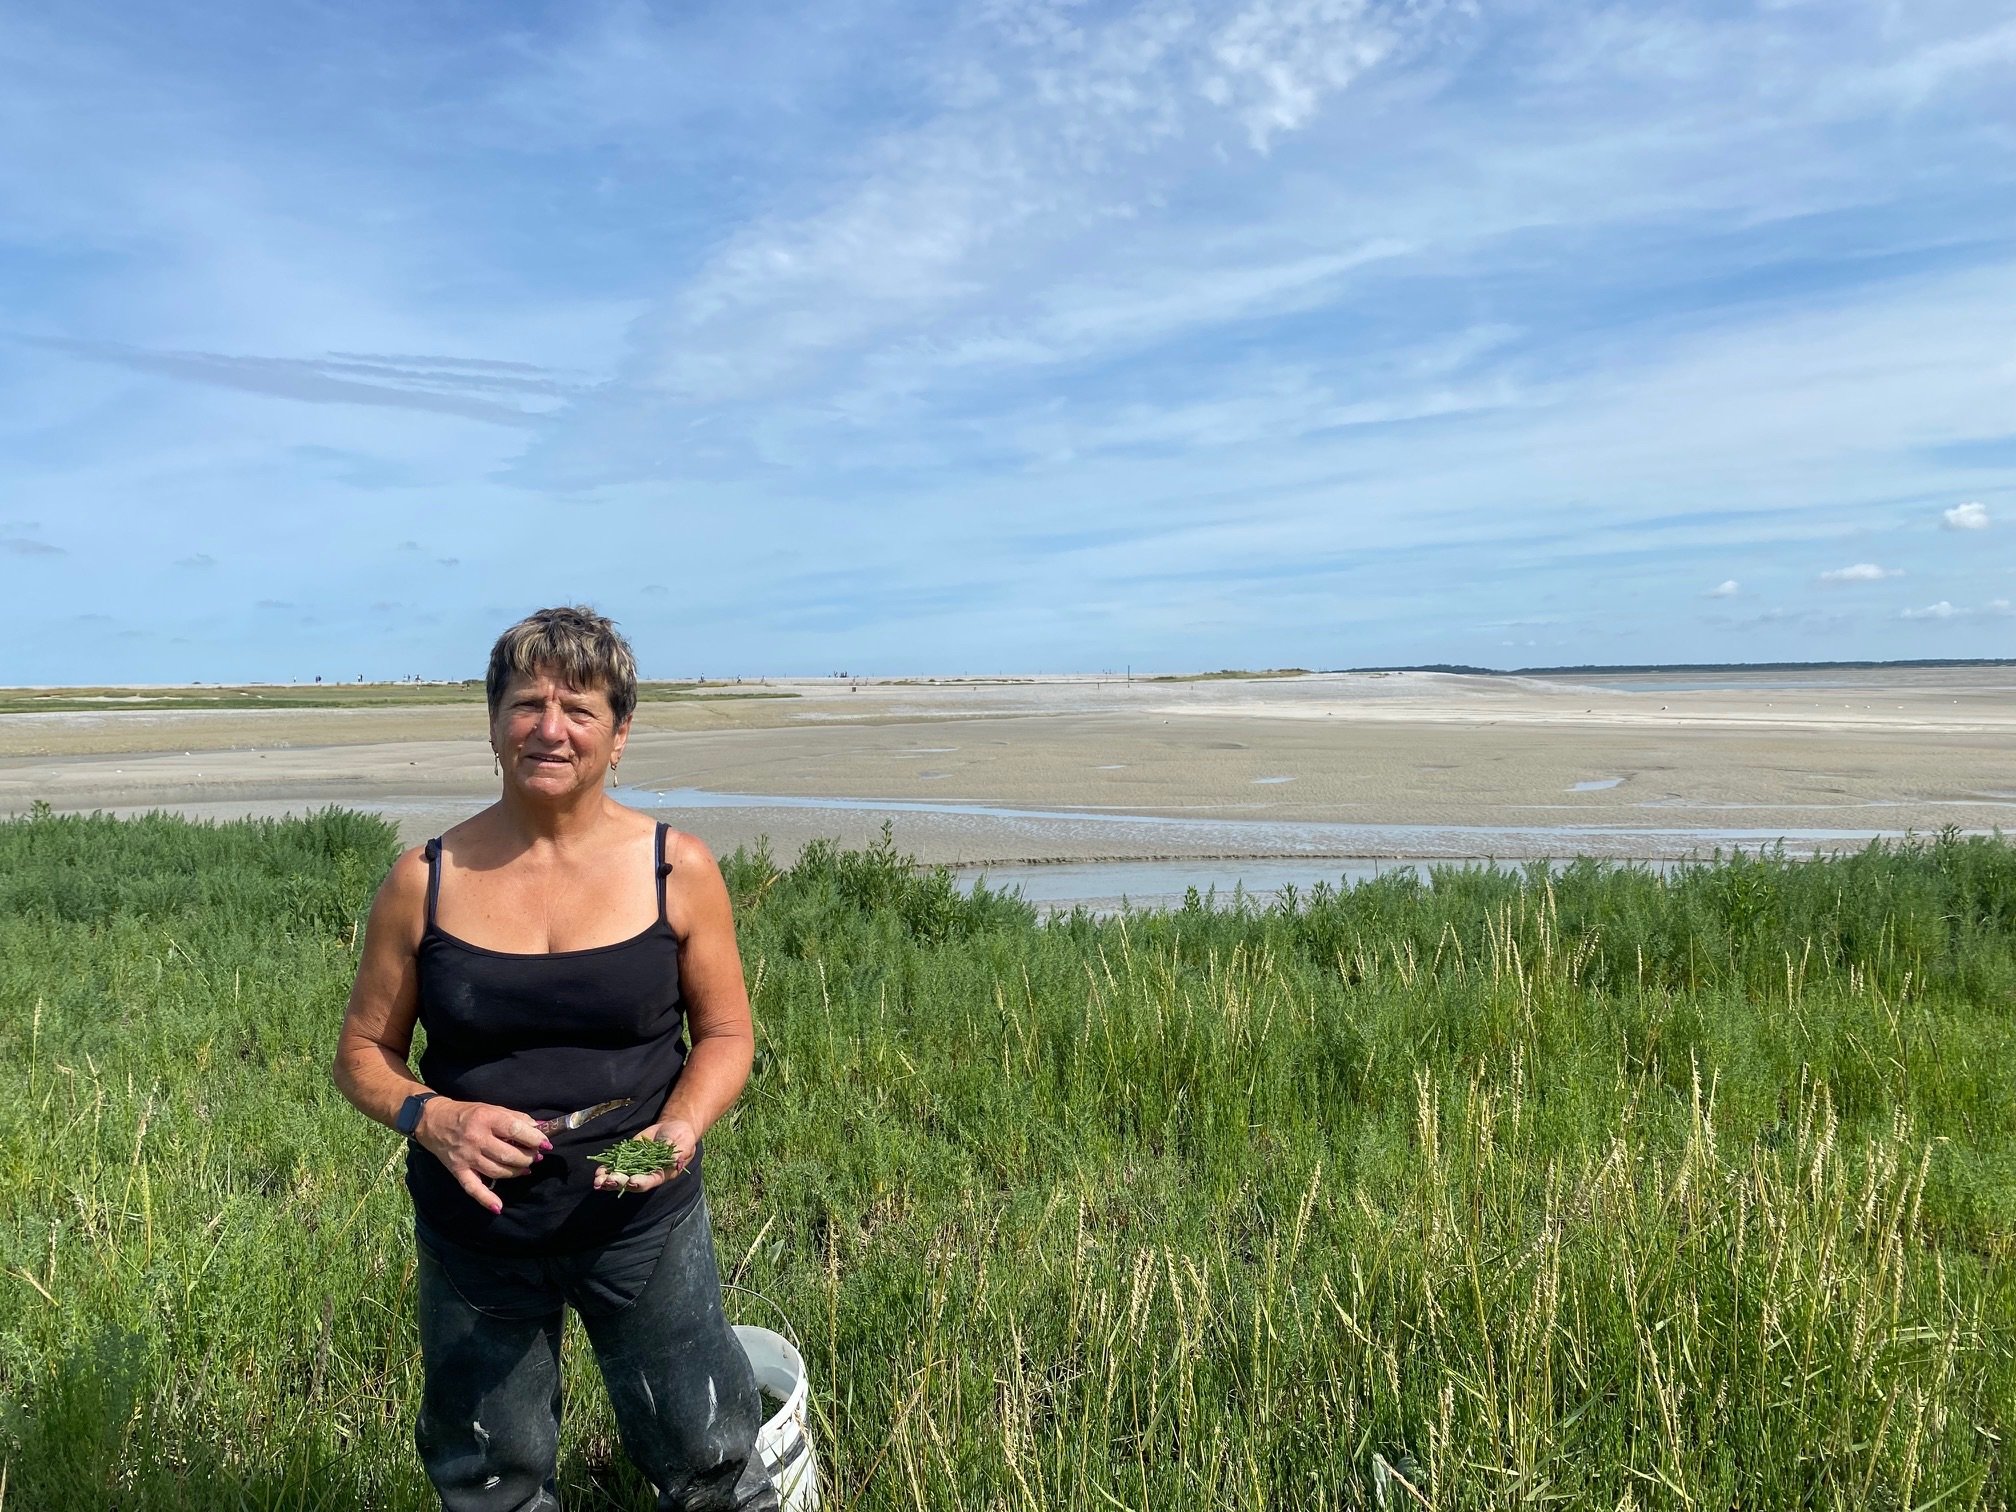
(409, 1112)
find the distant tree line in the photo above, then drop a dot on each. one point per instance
(1805, 666)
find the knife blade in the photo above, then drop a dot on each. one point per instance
(581, 1116)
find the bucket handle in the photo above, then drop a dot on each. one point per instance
(782, 1316)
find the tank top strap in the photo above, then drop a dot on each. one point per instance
(433, 880)
(664, 868)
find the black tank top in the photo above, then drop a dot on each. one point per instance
(548, 1035)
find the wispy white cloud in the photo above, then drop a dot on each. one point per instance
(1919, 74)
(1074, 146)
(2000, 608)
(1274, 63)
(1966, 517)
(1724, 589)
(1861, 572)
(473, 390)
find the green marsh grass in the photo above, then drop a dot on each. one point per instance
(1597, 1190)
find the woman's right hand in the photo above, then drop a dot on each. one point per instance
(480, 1143)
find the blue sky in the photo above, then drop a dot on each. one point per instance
(1008, 336)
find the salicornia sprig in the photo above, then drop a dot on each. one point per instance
(639, 1157)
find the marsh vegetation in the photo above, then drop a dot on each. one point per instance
(1600, 1189)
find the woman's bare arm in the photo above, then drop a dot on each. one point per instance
(717, 1007)
(474, 1141)
(373, 1046)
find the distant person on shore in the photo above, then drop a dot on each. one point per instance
(554, 947)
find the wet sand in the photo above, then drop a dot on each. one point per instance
(1081, 768)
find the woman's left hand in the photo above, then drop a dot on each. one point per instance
(673, 1131)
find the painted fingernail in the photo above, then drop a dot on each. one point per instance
(545, 1144)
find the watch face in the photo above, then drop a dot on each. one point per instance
(409, 1114)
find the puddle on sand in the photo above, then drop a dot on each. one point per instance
(1105, 887)
(1262, 781)
(1595, 784)
(1273, 838)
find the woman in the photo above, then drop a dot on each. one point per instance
(552, 947)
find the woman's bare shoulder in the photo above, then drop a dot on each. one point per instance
(399, 910)
(695, 894)
(690, 854)
(406, 882)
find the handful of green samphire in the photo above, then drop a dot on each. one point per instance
(639, 1157)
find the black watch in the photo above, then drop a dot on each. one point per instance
(409, 1112)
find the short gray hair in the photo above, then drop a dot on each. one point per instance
(577, 645)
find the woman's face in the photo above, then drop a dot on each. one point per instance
(554, 739)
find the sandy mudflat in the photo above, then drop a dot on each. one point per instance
(1411, 764)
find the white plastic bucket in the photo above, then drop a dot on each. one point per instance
(784, 1442)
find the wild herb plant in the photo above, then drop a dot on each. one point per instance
(637, 1157)
(1602, 1189)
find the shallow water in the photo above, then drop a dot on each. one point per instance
(1108, 886)
(1152, 860)
(1277, 836)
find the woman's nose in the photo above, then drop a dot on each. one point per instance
(552, 725)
